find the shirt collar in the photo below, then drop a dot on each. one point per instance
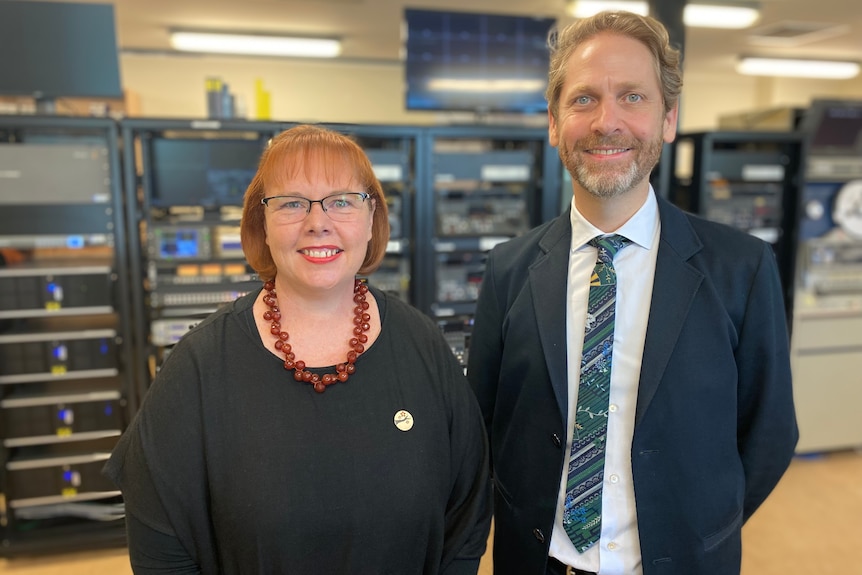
(640, 228)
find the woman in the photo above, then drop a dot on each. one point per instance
(318, 425)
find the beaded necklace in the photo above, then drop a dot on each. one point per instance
(361, 319)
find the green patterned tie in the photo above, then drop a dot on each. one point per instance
(582, 512)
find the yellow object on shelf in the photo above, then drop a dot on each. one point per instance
(262, 101)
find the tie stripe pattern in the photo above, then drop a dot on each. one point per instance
(582, 513)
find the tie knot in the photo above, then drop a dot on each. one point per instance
(608, 246)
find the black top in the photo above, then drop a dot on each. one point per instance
(253, 472)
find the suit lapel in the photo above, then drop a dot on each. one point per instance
(548, 279)
(674, 288)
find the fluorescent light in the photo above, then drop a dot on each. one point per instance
(711, 16)
(477, 85)
(254, 44)
(587, 8)
(797, 68)
(694, 15)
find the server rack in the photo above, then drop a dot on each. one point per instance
(184, 185)
(66, 385)
(393, 151)
(482, 185)
(749, 180)
(826, 348)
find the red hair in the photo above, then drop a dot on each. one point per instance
(291, 153)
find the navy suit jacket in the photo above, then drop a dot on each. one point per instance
(714, 425)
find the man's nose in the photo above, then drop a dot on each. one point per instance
(607, 117)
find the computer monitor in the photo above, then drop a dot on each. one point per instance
(834, 127)
(209, 173)
(58, 50)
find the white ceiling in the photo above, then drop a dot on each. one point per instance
(370, 29)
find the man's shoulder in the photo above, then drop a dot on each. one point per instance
(710, 237)
(723, 238)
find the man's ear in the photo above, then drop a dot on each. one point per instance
(553, 138)
(670, 121)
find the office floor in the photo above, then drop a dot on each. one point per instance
(812, 523)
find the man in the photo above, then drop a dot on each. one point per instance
(698, 422)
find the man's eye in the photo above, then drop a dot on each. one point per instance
(633, 97)
(581, 100)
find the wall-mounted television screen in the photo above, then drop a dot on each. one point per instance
(58, 50)
(483, 63)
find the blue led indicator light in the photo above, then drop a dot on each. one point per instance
(75, 242)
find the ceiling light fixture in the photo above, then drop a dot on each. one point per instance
(694, 15)
(249, 44)
(587, 8)
(501, 85)
(715, 16)
(797, 68)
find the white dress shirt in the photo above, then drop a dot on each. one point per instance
(618, 550)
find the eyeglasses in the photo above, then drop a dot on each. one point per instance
(342, 207)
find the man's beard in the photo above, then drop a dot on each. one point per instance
(610, 181)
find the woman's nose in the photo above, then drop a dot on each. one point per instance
(317, 219)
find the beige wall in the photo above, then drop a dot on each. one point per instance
(372, 93)
(300, 90)
(707, 97)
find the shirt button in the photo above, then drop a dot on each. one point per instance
(612, 408)
(614, 478)
(612, 546)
